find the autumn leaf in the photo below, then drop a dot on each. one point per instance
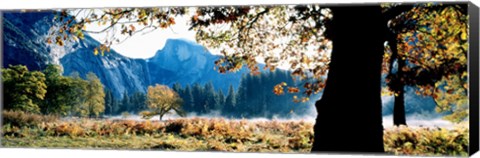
(95, 51)
(49, 41)
(195, 18)
(450, 91)
(132, 28)
(278, 89)
(60, 42)
(293, 90)
(171, 21)
(464, 35)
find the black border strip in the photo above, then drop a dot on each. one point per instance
(473, 78)
(1, 83)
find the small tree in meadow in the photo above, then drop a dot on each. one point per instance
(161, 100)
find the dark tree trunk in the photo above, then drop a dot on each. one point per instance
(350, 110)
(399, 104)
(398, 85)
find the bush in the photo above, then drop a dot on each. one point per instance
(23, 119)
(427, 141)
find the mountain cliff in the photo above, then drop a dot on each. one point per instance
(186, 62)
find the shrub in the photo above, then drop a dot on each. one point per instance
(23, 119)
(427, 141)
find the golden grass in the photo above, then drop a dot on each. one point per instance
(201, 134)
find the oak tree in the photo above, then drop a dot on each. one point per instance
(162, 100)
(428, 46)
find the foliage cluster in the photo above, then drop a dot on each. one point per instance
(162, 100)
(48, 92)
(429, 52)
(23, 89)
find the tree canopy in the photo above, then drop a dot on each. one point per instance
(162, 100)
(23, 89)
(95, 95)
(432, 43)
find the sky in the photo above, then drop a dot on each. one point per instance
(145, 45)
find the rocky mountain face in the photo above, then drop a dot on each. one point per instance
(118, 73)
(23, 39)
(186, 62)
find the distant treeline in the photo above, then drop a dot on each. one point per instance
(253, 98)
(134, 103)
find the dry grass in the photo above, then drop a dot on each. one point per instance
(20, 118)
(201, 134)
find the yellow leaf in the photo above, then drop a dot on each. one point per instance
(464, 35)
(95, 51)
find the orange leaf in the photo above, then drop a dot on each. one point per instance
(293, 90)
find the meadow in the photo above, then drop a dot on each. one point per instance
(21, 129)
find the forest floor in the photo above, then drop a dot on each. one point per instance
(210, 134)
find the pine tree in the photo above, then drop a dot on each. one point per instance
(209, 93)
(230, 102)
(137, 101)
(189, 101)
(177, 88)
(125, 106)
(116, 107)
(108, 102)
(241, 98)
(219, 100)
(199, 98)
